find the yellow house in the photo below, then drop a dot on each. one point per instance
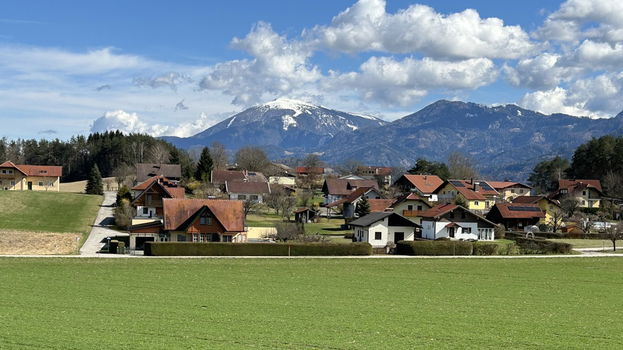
(30, 177)
(586, 192)
(509, 190)
(548, 206)
(477, 195)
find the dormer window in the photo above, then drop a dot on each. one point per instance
(205, 219)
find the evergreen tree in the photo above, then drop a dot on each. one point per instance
(204, 167)
(425, 167)
(363, 207)
(545, 175)
(95, 185)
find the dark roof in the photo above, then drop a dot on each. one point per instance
(146, 170)
(344, 187)
(533, 199)
(424, 183)
(518, 211)
(353, 196)
(229, 213)
(247, 187)
(35, 170)
(473, 189)
(378, 216)
(442, 209)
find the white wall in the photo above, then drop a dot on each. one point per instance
(434, 230)
(367, 234)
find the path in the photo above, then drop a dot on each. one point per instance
(100, 229)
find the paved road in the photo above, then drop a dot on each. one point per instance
(100, 229)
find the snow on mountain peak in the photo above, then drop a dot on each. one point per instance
(299, 107)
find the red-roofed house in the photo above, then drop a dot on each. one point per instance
(515, 216)
(455, 222)
(309, 170)
(410, 206)
(349, 203)
(477, 195)
(423, 185)
(587, 192)
(336, 189)
(30, 177)
(510, 190)
(148, 197)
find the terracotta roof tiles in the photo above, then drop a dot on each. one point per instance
(229, 213)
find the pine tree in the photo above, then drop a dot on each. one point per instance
(363, 207)
(95, 185)
(204, 167)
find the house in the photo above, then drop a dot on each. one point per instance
(30, 177)
(349, 203)
(548, 207)
(309, 171)
(193, 220)
(148, 195)
(382, 228)
(588, 193)
(509, 190)
(336, 189)
(455, 222)
(477, 195)
(381, 204)
(381, 174)
(144, 171)
(305, 215)
(514, 216)
(218, 177)
(241, 190)
(422, 185)
(410, 206)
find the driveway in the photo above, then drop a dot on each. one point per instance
(100, 229)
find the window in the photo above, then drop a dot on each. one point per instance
(521, 191)
(4, 171)
(149, 197)
(205, 220)
(40, 183)
(242, 197)
(475, 202)
(204, 237)
(12, 183)
(254, 197)
(467, 230)
(419, 208)
(451, 232)
(227, 238)
(378, 236)
(181, 238)
(195, 237)
(584, 193)
(164, 237)
(409, 207)
(512, 190)
(145, 210)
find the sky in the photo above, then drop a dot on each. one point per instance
(176, 68)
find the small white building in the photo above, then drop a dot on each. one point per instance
(382, 228)
(455, 222)
(254, 191)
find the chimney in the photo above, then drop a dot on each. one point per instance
(426, 179)
(476, 186)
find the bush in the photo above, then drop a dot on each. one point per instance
(438, 247)
(485, 248)
(499, 232)
(542, 246)
(255, 249)
(123, 214)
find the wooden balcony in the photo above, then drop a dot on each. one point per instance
(411, 213)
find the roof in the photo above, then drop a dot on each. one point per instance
(579, 184)
(379, 205)
(310, 170)
(146, 170)
(301, 210)
(532, 200)
(518, 211)
(426, 184)
(344, 187)
(247, 187)
(499, 185)
(375, 170)
(219, 177)
(35, 170)
(410, 197)
(438, 210)
(467, 188)
(353, 196)
(378, 216)
(229, 213)
(172, 189)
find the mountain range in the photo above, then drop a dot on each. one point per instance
(505, 142)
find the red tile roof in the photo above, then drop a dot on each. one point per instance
(579, 184)
(424, 183)
(309, 170)
(438, 210)
(500, 185)
(467, 189)
(174, 190)
(518, 211)
(35, 170)
(379, 205)
(229, 213)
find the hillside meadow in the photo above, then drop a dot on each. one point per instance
(64, 303)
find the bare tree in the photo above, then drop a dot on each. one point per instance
(219, 155)
(613, 184)
(252, 159)
(123, 174)
(461, 167)
(305, 198)
(248, 206)
(557, 219)
(614, 233)
(585, 222)
(569, 205)
(349, 166)
(159, 153)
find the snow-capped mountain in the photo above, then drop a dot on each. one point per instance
(282, 127)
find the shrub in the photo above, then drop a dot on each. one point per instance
(499, 232)
(542, 246)
(255, 249)
(438, 247)
(123, 214)
(485, 248)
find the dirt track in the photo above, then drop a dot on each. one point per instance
(39, 243)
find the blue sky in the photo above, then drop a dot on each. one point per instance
(69, 67)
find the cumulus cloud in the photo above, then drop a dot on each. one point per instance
(278, 67)
(128, 123)
(402, 82)
(541, 72)
(366, 26)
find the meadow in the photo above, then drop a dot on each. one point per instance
(64, 303)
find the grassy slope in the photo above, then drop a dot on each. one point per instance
(311, 303)
(47, 211)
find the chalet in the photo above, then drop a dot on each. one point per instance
(549, 207)
(219, 177)
(145, 171)
(148, 197)
(410, 206)
(349, 203)
(382, 228)
(509, 190)
(241, 190)
(477, 195)
(515, 216)
(588, 193)
(455, 222)
(422, 185)
(193, 220)
(336, 189)
(30, 177)
(381, 174)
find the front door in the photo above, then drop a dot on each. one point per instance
(29, 185)
(399, 236)
(451, 232)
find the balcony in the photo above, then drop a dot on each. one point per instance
(411, 213)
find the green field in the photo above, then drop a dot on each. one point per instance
(560, 303)
(324, 226)
(586, 243)
(48, 211)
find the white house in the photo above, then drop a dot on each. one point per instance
(455, 222)
(382, 228)
(254, 191)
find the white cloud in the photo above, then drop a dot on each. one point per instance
(171, 79)
(540, 72)
(403, 82)
(599, 55)
(366, 26)
(131, 123)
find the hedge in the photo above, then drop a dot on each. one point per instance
(434, 248)
(495, 248)
(255, 249)
(542, 246)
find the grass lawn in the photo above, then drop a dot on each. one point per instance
(48, 211)
(586, 243)
(311, 303)
(324, 226)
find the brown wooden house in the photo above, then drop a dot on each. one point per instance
(148, 197)
(515, 216)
